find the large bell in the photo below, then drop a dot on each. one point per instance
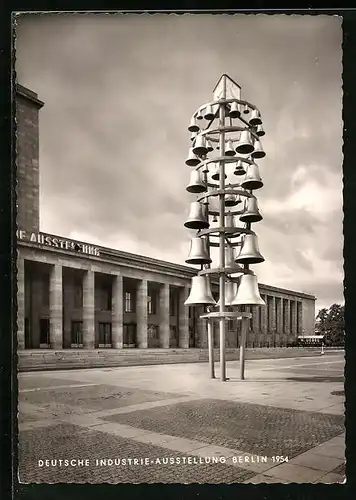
(196, 185)
(200, 293)
(230, 292)
(255, 118)
(209, 114)
(258, 152)
(248, 293)
(200, 146)
(251, 213)
(193, 127)
(252, 179)
(245, 146)
(198, 253)
(196, 219)
(230, 260)
(249, 253)
(192, 160)
(234, 110)
(229, 150)
(239, 169)
(260, 132)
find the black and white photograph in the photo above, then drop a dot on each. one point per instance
(180, 307)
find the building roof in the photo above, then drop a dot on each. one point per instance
(28, 94)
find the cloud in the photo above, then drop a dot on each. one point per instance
(119, 91)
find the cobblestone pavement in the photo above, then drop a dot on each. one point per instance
(177, 411)
(263, 430)
(78, 443)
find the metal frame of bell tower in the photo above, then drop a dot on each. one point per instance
(227, 105)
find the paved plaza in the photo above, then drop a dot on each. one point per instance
(173, 424)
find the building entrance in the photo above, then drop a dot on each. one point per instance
(105, 338)
(129, 335)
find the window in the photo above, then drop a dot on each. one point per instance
(77, 334)
(104, 334)
(172, 304)
(128, 304)
(230, 324)
(44, 331)
(151, 304)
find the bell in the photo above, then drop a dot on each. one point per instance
(245, 146)
(196, 185)
(196, 219)
(229, 150)
(230, 260)
(193, 135)
(199, 115)
(230, 222)
(249, 253)
(239, 169)
(230, 200)
(192, 160)
(252, 179)
(258, 152)
(251, 213)
(230, 292)
(193, 127)
(255, 118)
(208, 114)
(216, 176)
(234, 110)
(246, 109)
(260, 132)
(248, 293)
(200, 293)
(209, 146)
(200, 146)
(198, 253)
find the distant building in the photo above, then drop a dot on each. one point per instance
(75, 295)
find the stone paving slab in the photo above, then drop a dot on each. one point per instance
(72, 442)
(295, 473)
(318, 462)
(25, 382)
(97, 397)
(263, 430)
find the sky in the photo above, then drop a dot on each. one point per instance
(119, 91)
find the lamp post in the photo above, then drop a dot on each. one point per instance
(229, 139)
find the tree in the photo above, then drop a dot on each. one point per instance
(330, 323)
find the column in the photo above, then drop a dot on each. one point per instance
(183, 320)
(89, 310)
(56, 307)
(264, 321)
(164, 332)
(293, 329)
(117, 312)
(300, 317)
(141, 309)
(272, 314)
(20, 303)
(202, 328)
(287, 316)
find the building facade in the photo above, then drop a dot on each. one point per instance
(75, 295)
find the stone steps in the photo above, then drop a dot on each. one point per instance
(32, 360)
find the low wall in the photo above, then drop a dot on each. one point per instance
(32, 360)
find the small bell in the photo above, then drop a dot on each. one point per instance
(200, 148)
(199, 115)
(216, 176)
(260, 132)
(249, 253)
(245, 146)
(230, 223)
(193, 127)
(208, 114)
(229, 150)
(246, 109)
(230, 261)
(200, 293)
(239, 169)
(192, 160)
(247, 292)
(196, 185)
(209, 146)
(193, 135)
(196, 219)
(251, 213)
(252, 179)
(255, 118)
(198, 253)
(234, 110)
(230, 199)
(230, 292)
(258, 152)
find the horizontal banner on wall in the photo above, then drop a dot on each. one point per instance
(57, 242)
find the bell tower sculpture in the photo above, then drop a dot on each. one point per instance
(225, 136)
